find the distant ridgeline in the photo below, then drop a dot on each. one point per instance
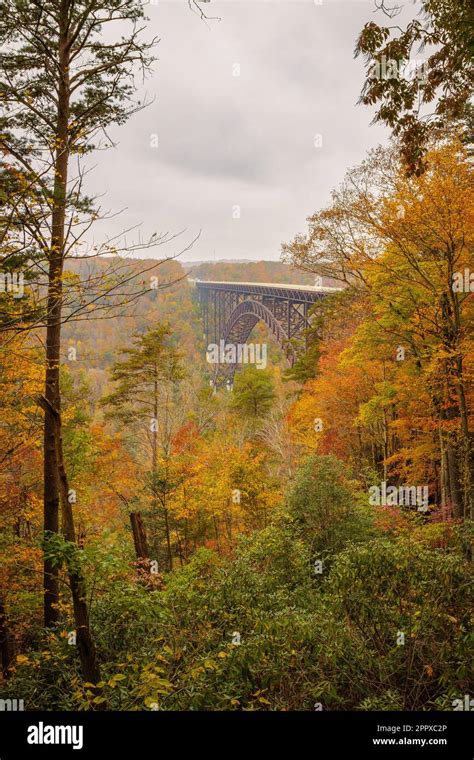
(254, 271)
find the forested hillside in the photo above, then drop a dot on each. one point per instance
(253, 271)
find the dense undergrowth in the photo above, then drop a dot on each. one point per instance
(334, 606)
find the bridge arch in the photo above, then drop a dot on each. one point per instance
(244, 318)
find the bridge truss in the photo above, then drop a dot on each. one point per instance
(232, 309)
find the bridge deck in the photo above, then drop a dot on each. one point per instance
(275, 289)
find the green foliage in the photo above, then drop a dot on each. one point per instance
(306, 364)
(323, 508)
(151, 363)
(59, 551)
(403, 622)
(253, 392)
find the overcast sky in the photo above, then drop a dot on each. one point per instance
(239, 107)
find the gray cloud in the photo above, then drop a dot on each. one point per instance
(243, 140)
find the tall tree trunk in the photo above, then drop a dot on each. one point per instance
(443, 472)
(455, 495)
(53, 325)
(85, 643)
(467, 463)
(139, 536)
(450, 476)
(466, 445)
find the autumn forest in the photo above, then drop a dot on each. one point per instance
(298, 539)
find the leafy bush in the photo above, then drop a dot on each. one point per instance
(324, 510)
(399, 625)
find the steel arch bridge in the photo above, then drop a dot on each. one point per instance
(232, 309)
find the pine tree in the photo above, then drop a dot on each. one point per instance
(253, 392)
(146, 381)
